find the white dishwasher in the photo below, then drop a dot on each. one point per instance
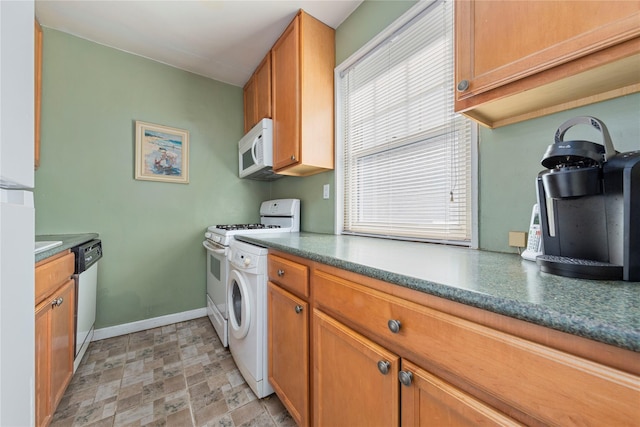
(86, 278)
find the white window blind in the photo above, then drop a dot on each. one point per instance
(407, 155)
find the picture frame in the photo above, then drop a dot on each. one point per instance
(162, 153)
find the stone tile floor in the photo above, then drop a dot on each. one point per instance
(177, 375)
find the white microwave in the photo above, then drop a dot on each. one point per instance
(255, 152)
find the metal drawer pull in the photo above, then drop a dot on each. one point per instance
(280, 273)
(298, 309)
(405, 378)
(57, 302)
(383, 367)
(394, 326)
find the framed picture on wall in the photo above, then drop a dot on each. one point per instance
(162, 153)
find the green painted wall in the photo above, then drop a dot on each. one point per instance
(316, 213)
(154, 261)
(509, 162)
(362, 25)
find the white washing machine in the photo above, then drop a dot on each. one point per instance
(247, 305)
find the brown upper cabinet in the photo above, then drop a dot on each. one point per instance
(37, 91)
(520, 60)
(293, 85)
(257, 95)
(303, 60)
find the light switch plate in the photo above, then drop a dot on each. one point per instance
(325, 191)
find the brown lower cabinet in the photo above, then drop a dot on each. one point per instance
(288, 335)
(54, 332)
(345, 359)
(289, 360)
(385, 355)
(349, 389)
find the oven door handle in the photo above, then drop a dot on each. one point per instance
(215, 249)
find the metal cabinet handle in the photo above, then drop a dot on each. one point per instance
(293, 158)
(298, 309)
(463, 85)
(57, 302)
(280, 273)
(394, 325)
(383, 367)
(405, 378)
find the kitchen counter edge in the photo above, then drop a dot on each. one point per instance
(68, 241)
(599, 327)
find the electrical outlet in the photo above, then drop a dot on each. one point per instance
(325, 191)
(518, 239)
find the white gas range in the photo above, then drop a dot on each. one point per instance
(276, 216)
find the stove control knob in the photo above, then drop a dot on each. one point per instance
(247, 261)
(208, 235)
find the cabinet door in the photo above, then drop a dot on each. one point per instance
(257, 95)
(517, 60)
(509, 40)
(249, 95)
(62, 340)
(43, 364)
(288, 339)
(286, 97)
(263, 89)
(429, 401)
(349, 388)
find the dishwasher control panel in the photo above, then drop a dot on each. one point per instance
(87, 254)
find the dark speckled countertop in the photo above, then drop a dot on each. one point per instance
(606, 311)
(68, 241)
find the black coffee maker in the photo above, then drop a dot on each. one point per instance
(589, 201)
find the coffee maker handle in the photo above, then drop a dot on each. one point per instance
(609, 151)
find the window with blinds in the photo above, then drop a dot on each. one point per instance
(407, 155)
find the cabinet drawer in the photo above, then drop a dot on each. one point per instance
(289, 275)
(549, 385)
(50, 275)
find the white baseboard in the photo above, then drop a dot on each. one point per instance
(141, 325)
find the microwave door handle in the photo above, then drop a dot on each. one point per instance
(253, 150)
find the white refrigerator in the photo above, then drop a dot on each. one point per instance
(17, 214)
